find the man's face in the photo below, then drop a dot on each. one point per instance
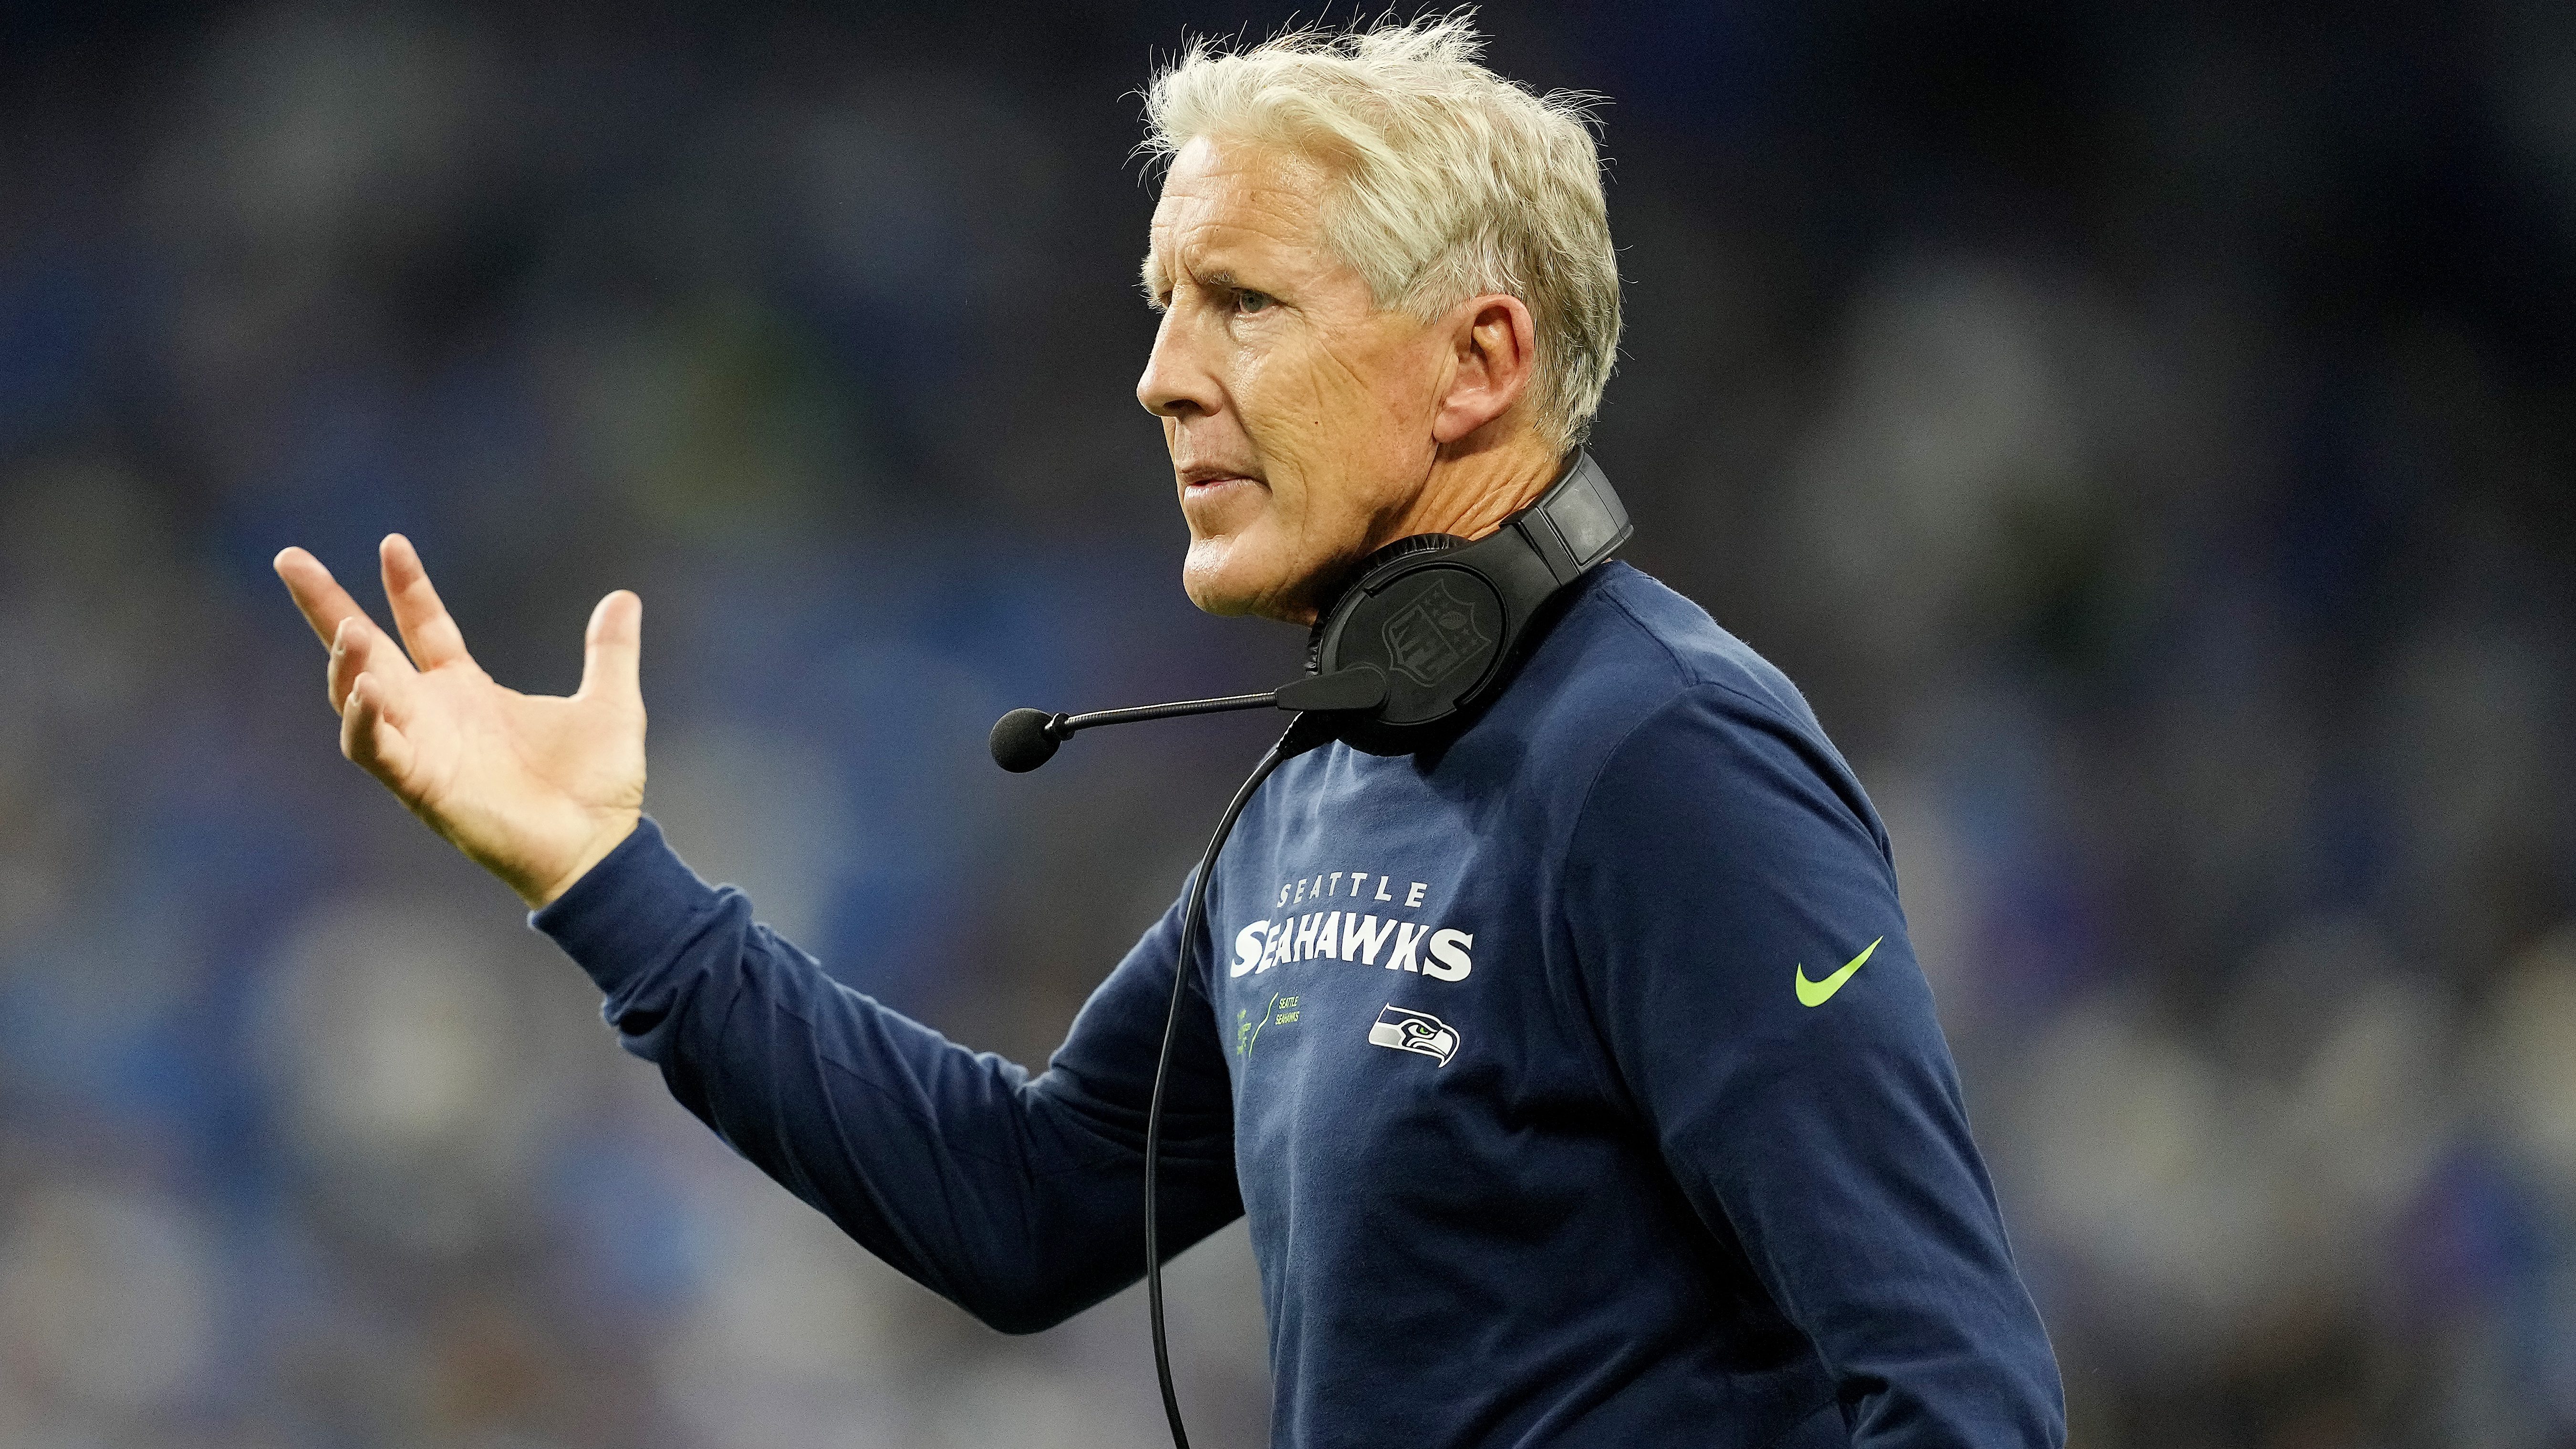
(1299, 416)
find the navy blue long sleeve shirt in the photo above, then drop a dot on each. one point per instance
(1577, 1079)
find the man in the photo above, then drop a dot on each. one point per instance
(1574, 1071)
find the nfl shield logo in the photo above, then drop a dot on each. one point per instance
(1432, 636)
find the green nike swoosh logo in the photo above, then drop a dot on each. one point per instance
(1817, 993)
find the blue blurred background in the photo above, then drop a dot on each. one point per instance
(2148, 433)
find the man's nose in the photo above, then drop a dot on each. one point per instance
(1176, 383)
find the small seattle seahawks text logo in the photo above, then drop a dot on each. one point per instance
(1414, 1031)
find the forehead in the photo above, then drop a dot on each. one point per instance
(1228, 204)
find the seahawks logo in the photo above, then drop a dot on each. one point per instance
(1414, 1031)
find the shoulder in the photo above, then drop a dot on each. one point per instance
(1646, 700)
(1632, 612)
(1630, 654)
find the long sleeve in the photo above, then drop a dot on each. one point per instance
(1019, 1198)
(1734, 908)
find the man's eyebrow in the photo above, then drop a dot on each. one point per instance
(1156, 286)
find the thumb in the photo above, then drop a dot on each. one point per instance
(613, 649)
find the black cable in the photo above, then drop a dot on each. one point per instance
(1163, 1064)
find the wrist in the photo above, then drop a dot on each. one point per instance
(614, 827)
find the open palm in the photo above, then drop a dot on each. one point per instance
(535, 788)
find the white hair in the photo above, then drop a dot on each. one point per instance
(1452, 181)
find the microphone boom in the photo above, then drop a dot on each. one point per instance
(1027, 738)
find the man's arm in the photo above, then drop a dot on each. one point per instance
(1018, 1198)
(1745, 957)
(1021, 1199)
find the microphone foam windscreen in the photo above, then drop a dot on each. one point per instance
(1021, 742)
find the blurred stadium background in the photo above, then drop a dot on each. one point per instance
(2148, 432)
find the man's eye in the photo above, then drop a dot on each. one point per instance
(1250, 302)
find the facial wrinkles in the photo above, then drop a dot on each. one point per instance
(1223, 230)
(1324, 381)
(1363, 370)
(1217, 229)
(1325, 368)
(1228, 220)
(1319, 391)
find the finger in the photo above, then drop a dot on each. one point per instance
(317, 595)
(427, 630)
(613, 648)
(370, 735)
(382, 665)
(361, 648)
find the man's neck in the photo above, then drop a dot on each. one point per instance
(1471, 492)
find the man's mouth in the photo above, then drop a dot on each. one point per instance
(1199, 483)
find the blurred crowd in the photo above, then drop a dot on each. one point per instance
(2148, 433)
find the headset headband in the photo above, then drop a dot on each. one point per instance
(1576, 523)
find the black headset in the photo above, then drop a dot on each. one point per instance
(1426, 633)
(1445, 621)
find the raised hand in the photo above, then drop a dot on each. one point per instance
(534, 788)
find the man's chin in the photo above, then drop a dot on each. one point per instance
(1220, 584)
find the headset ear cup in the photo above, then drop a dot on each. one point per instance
(1369, 573)
(1445, 620)
(1437, 631)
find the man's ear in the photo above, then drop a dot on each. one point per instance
(1493, 354)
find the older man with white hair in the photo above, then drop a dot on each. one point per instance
(1484, 1029)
